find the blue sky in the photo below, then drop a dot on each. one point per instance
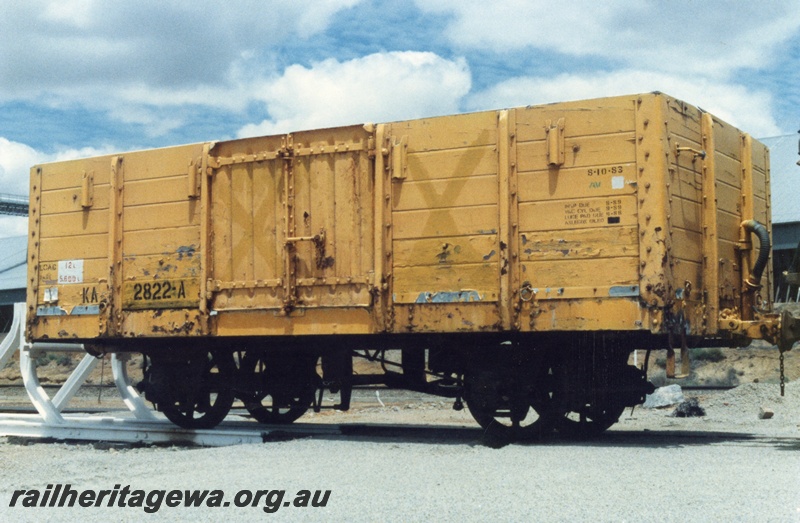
(86, 77)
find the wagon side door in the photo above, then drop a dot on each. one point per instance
(291, 222)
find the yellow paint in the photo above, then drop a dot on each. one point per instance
(580, 216)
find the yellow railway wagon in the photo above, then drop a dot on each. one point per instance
(476, 244)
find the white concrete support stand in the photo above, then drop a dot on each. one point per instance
(144, 427)
(129, 394)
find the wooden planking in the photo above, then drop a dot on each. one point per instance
(69, 174)
(583, 118)
(162, 267)
(684, 122)
(727, 141)
(624, 270)
(161, 163)
(687, 244)
(268, 220)
(313, 177)
(69, 200)
(686, 183)
(584, 151)
(74, 223)
(564, 183)
(760, 157)
(588, 315)
(447, 317)
(366, 226)
(729, 200)
(221, 224)
(411, 281)
(163, 241)
(346, 214)
(728, 227)
(449, 132)
(685, 213)
(452, 163)
(161, 216)
(241, 212)
(759, 184)
(313, 321)
(685, 270)
(598, 243)
(54, 248)
(729, 171)
(578, 213)
(455, 250)
(159, 190)
(437, 194)
(457, 221)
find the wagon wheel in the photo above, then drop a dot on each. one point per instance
(590, 420)
(592, 408)
(282, 395)
(203, 397)
(508, 409)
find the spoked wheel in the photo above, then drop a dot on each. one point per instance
(593, 384)
(508, 408)
(198, 394)
(284, 387)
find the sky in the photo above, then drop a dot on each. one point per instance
(81, 78)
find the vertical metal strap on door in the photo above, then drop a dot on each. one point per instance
(205, 175)
(290, 270)
(709, 220)
(382, 210)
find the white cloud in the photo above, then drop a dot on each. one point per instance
(377, 87)
(137, 60)
(746, 109)
(16, 160)
(710, 38)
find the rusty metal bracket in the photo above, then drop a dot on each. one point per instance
(790, 329)
(695, 152)
(685, 363)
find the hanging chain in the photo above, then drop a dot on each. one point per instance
(783, 377)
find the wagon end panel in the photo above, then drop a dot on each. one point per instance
(69, 288)
(718, 179)
(445, 244)
(578, 234)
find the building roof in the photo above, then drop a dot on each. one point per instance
(13, 269)
(784, 177)
(13, 255)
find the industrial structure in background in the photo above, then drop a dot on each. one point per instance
(12, 260)
(785, 174)
(13, 205)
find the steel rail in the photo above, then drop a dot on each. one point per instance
(157, 432)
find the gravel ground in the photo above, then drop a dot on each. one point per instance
(726, 466)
